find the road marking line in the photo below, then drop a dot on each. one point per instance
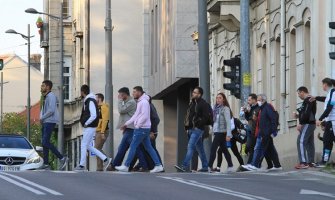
(22, 185)
(311, 192)
(215, 189)
(53, 192)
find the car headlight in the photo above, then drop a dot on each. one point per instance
(36, 159)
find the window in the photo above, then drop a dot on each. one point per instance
(66, 8)
(67, 77)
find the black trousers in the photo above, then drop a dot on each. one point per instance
(220, 141)
(235, 151)
(251, 142)
(328, 139)
(270, 152)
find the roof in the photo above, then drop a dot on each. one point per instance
(34, 113)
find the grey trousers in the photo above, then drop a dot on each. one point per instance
(305, 144)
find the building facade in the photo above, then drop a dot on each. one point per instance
(306, 60)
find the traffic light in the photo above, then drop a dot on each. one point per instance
(234, 75)
(332, 40)
(1, 64)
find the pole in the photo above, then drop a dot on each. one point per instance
(1, 101)
(108, 148)
(245, 52)
(204, 59)
(61, 82)
(28, 99)
(203, 49)
(282, 65)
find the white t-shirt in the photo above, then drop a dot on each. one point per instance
(330, 100)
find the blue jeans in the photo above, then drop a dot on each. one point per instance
(258, 153)
(142, 135)
(124, 146)
(47, 129)
(195, 142)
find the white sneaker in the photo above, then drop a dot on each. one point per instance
(275, 169)
(122, 168)
(157, 169)
(229, 170)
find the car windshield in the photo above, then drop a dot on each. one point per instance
(14, 142)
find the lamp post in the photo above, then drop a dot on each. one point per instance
(26, 37)
(61, 74)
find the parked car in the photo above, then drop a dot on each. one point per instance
(18, 154)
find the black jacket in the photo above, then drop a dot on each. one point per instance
(154, 118)
(267, 120)
(249, 117)
(307, 112)
(197, 114)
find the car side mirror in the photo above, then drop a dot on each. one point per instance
(39, 149)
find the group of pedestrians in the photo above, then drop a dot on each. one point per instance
(139, 120)
(306, 115)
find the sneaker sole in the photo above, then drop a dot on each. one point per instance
(179, 168)
(64, 165)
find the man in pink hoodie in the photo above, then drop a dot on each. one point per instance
(142, 123)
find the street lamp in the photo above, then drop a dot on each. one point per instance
(61, 74)
(26, 37)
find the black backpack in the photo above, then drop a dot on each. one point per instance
(277, 119)
(210, 115)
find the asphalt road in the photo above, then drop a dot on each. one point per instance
(49, 185)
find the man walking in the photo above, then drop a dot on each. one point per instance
(141, 121)
(89, 119)
(249, 112)
(102, 129)
(49, 117)
(266, 129)
(126, 108)
(196, 119)
(305, 142)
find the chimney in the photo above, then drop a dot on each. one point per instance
(35, 61)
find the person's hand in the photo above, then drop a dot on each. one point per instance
(228, 139)
(103, 136)
(311, 98)
(318, 123)
(299, 127)
(122, 128)
(152, 135)
(295, 115)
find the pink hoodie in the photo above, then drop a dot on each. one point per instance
(141, 118)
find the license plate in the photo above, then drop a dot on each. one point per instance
(10, 168)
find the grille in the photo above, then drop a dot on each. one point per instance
(16, 160)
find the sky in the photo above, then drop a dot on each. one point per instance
(12, 16)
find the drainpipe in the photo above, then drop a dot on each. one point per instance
(283, 66)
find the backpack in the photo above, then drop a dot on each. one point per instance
(210, 115)
(277, 119)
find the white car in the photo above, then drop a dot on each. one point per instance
(18, 154)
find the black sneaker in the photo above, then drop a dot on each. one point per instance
(181, 168)
(63, 163)
(45, 167)
(204, 170)
(320, 165)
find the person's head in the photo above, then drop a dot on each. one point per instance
(221, 99)
(252, 99)
(137, 92)
(327, 83)
(261, 99)
(323, 125)
(197, 93)
(46, 86)
(124, 93)
(100, 98)
(302, 92)
(85, 90)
